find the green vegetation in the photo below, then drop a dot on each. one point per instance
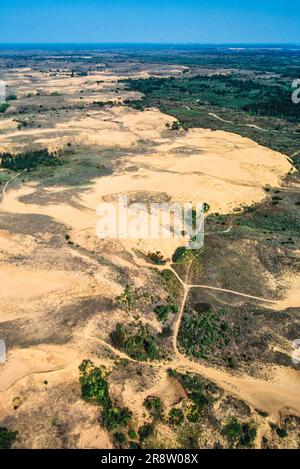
(206, 207)
(106, 103)
(140, 346)
(201, 335)
(145, 431)
(171, 284)
(7, 438)
(282, 61)
(274, 222)
(239, 101)
(201, 393)
(126, 298)
(183, 255)
(11, 97)
(166, 332)
(114, 417)
(4, 107)
(155, 407)
(162, 311)
(132, 434)
(281, 432)
(94, 388)
(232, 91)
(157, 258)
(176, 417)
(180, 255)
(240, 434)
(119, 438)
(29, 160)
(177, 125)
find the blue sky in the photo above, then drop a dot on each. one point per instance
(174, 21)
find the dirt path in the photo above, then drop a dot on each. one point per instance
(9, 182)
(270, 396)
(219, 118)
(209, 287)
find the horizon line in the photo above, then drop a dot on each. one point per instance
(150, 43)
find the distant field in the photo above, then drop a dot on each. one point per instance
(259, 108)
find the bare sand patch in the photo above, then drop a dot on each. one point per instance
(292, 298)
(278, 394)
(19, 282)
(24, 362)
(169, 390)
(222, 169)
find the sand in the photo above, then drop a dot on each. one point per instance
(18, 282)
(222, 169)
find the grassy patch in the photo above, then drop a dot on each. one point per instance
(277, 222)
(201, 335)
(140, 345)
(171, 284)
(256, 107)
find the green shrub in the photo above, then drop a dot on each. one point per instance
(94, 388)
(238, 434)
(281, 432)
(140, 346)
(132, 434)
(162, 311)
(180, 255)
(145, 431)
(11, 97)
(119, 336)
(126, 298)
(93, 385)
(157, 258)
(113, 417)
(119, 438)
(203, 334)
(193, 413)
(155, 406)
(166, 332)
(133, 445)
(7, 438)
(200, 391)
(4, 107)
(206, 207)
(276, 222)
(176, 417)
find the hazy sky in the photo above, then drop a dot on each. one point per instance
(203, 21)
